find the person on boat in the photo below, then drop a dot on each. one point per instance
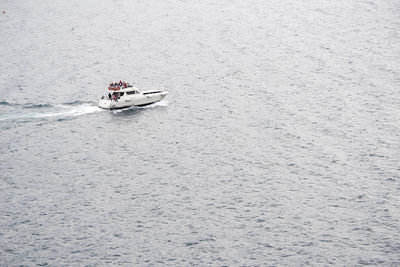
(114, 97)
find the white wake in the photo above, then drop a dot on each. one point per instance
(54, 111)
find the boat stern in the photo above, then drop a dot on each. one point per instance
(105, 103)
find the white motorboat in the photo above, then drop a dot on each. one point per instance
(124, 95)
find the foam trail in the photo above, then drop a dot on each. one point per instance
(61, 111)
(71, 111)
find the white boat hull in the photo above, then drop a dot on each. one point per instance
(132, 100)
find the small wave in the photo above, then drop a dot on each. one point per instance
(4, 103)
(33, 106)
(77, 102)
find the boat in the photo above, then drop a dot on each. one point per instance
(124, 95)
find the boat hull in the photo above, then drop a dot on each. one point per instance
(135, 101)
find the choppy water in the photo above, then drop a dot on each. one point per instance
(279, 143)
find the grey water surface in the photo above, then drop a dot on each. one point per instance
(278, 144)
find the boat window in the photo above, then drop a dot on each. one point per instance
(121, 94)
(154, 92)
(131, 93)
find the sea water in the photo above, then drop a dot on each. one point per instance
(278, 143)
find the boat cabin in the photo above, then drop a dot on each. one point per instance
(116, 93)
